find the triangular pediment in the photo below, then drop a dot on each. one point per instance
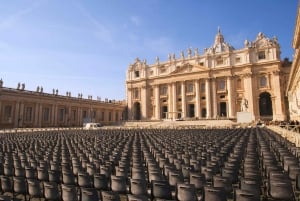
(189, 68)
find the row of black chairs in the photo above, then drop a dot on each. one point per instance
(151, 164)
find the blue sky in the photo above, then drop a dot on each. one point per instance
(85, 46)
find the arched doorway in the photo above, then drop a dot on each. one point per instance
(137, 111)
(265, 106)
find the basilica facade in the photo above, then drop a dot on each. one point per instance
(216, 84)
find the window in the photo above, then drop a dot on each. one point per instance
(28, 114)
(201, 64)
(151, 92)
(190, 88)
(164, 90)
(162, 70)
(179, 90)
(239, 83)
(46, 114)
(261, 55)
(7, 113)
(151, 73)
(203, 98)
(263, 82)
(238, 60)
(221, 85)
(202, 87)
(136, 74)
(219, 61)
(136, 93)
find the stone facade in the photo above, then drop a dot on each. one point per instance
(293, 88)
(20, 108)
(216, 84)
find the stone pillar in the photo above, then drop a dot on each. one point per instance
(170, 102)
(21, 114)
(174, 100)
(183, 101)
(230, 98)
(16, 116)
(277, 103)
(214, 98)
(40, 115)
(36, 115)
(130, 104)
(197, 92)
(208, 98)
(157, 102)
(144, 102)
(55, 116)
(249, 94)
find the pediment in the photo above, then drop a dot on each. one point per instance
(188, 68)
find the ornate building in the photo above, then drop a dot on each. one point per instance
(219, 83)
(20, 108)
(293, 88)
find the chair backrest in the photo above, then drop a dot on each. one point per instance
(51, 191)
(161, 189)
(118, 184)
(34, 189)
(214, 193)
(243, 195)
(138, 187)
(186, 192)
(100, 182)
(89, 194)
(69, 192)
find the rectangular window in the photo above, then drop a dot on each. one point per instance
(136, 74)
(8, 113)
(164, 90)
(261, 55)
(46, 114)
(221, 85)
(28, 114)
(238, 60)
(136, 93)
(219, 61)
(190, 88)
(202, 87)
(263, 82)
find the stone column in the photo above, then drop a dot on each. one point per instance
(214, 98)
(16, 116)
(144, 102)
(52, 115)
(208, 98)
(55, 115)
(174, 102)
(277, 103)
(36, 115)
(230, 98)
(21, 114)
(183, 101)
(130, 104)
(157, 102)
(197, 92)
(249, 94)
(170, 102)
(40, 115)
